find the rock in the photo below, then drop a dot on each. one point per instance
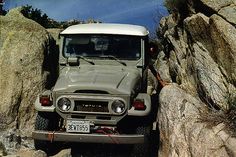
(229, 13)
(223, 37)
(13, 141)
(216, 5)
(39, 153)
(28, 153)
(200, 53)
(181, 131)
(204, 63)
(198, 28)
(178, 60)
(24, 51)
(218, 37)
(163, 67)
(166, 23)
(209, 79)
(232, 95)
(224, 8)
(2, 149)
(64, 153)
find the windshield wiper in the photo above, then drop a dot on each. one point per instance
(113, 57)
(86, 59)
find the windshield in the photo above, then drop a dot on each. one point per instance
(119, 46)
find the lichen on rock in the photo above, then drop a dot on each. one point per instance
(24, 45)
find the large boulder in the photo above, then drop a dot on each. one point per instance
(223, 36)
(229, 13)
(224, 8)
(183, 131)
(200, 53)
(204, 63)
(210, 82)
(24, 62)
(216, 5)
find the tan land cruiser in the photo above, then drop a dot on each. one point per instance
(100, 94)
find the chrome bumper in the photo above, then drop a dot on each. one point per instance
(88, 138)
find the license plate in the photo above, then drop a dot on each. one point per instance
(78, 126)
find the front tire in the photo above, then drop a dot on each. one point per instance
(148, 147)
(48, 122)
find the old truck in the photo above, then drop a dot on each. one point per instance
(100, 94)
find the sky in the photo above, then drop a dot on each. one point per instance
(141, 12)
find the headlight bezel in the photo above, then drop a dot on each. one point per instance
(64, 102)
(118, 106)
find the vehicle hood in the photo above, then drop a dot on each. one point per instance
(110, 79)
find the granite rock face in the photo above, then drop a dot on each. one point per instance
(185, 135)
(27, 67)
(200, 60)
(24, 66)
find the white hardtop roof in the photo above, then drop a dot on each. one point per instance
(106, 28)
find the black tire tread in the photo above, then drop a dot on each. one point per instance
(142, 150)
(48, 122)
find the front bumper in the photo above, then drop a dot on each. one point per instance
(88, 138)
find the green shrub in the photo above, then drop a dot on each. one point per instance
(36, 15)
(42, 18)
(180, 9)
(175, 5)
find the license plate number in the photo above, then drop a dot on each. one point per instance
(78, 126)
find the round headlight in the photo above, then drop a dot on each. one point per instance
(64, 104)
(118, 106)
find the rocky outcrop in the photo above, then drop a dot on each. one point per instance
(200, 57)
(185, 132)
(28, 153)
(3, 151)
(225, 8)
(27, 67)
(217, 5)
(24, 62)
(229, 13)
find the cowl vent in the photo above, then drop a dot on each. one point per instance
(92, 91)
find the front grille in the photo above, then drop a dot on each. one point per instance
(91, 106)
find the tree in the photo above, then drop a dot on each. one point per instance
(178, 8)
(2, 11)
(42, 18)
(36, 15)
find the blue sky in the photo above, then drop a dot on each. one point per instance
(141, 12)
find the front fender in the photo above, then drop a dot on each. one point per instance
(147, 102)
(41, 108)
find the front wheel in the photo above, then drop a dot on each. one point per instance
(48, 122)
(148, 147)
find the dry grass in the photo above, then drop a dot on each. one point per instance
(215, 117)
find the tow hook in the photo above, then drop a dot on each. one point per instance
(51, 136)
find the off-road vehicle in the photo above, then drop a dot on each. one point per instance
(100, 94)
